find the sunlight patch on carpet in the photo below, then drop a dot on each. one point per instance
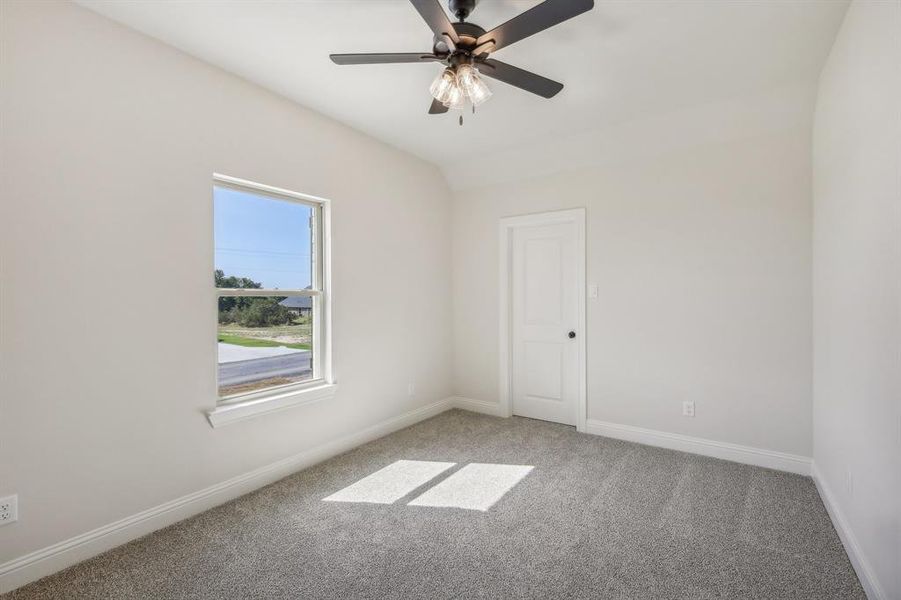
(477, 486)
(391, 483)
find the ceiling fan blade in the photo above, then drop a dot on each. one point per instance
(538, 18)
(526, 80)
(437, 20)
(437, 108)
(385, 58)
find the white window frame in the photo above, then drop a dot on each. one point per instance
(322, 386)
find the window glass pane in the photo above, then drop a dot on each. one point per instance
(262, 242)
(264, 342)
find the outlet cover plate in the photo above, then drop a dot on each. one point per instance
(9, 509)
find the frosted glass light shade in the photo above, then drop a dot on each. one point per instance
(444, 86)
(456, 99)
(471, 83)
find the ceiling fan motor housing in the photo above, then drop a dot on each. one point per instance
(468, 34)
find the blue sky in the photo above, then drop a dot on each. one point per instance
(263, 239)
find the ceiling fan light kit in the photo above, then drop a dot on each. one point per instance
(464, 48)
(456, 85)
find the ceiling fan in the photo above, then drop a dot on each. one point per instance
(464, 49)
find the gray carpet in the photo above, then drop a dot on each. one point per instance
(595, 518)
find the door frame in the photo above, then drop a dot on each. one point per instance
(575, 216)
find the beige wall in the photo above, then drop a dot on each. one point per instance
(702, 260)
(109, 141)
(857, 286)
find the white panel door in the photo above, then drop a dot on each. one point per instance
(544, 316)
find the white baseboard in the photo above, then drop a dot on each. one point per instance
(849, 540)
(759, 457)
(51, 559)
(479, 406)
(724, 450)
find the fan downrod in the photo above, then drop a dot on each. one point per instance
(461, 8)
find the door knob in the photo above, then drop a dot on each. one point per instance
(571, 334)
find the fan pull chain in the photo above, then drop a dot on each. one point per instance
(461, 115)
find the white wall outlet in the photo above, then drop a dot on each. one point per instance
(9, 509)
(593, 291)
(849, 483)
(411, 389)
(688, 408)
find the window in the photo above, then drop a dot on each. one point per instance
(270, 277)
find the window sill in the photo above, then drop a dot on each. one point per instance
(226, 414)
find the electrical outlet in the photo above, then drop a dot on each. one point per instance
(9, 509)
(849, 483)
(688, 408)
(593, 291)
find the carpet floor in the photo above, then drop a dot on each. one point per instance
(593, 518)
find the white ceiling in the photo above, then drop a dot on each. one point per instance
(622, 61)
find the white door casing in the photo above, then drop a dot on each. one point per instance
(542, 301)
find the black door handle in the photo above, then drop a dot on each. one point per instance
(571, 334)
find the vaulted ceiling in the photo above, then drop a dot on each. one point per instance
(622, 61)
